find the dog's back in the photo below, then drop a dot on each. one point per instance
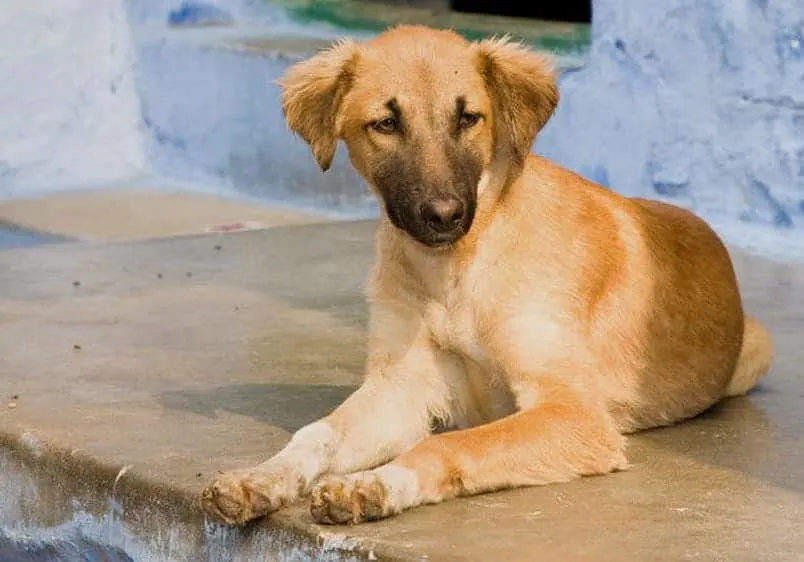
(664, 309)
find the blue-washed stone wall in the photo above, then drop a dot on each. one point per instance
(700, 102)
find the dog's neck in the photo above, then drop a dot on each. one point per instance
(438, 267)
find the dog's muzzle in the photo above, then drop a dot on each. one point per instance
(443, 216)
(442, 221)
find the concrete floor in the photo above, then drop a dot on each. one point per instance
(136, 370)
(140, 213)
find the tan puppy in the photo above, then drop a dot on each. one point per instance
(540, 314)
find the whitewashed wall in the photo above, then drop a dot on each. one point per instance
(69, 114)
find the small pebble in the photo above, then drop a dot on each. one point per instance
(76, 283)
(76, 347)
(198, 475)
(15, 397)
(218, 247)
(12, 405)
(159, 276)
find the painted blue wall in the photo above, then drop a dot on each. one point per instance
(698, 102)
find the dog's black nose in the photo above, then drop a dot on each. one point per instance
(443, 215)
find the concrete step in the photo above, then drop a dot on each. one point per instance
(130, 373)
(114, 214)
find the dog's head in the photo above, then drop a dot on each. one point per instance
(425, 116)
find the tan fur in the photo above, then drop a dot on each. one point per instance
(565, 317)
(755, 358)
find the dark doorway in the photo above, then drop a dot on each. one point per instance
(578, 11)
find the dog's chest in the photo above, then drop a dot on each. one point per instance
(453, 327)
(479, 393)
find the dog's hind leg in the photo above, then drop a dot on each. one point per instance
(388, 414)
(559, 439)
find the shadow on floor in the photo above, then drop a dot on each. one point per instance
(740, 434)
(13, 236)
(753, 435)
(289, 406)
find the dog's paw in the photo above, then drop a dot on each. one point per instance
(240, 496)
(356, 498)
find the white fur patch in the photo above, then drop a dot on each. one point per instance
(310, 450)
(454, 329)
(401, 485)
(483, 184)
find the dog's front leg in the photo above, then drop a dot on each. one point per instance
(560, 437)
(387, 415)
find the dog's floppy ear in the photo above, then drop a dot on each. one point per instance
(312, 91)
(523, 91)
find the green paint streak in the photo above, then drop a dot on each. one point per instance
(351, 15)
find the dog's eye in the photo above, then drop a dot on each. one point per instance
(468, 120)
(387, 126)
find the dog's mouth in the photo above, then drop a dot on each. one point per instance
(440, 241)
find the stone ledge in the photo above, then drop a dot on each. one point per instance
(140, 213)
(179, 375)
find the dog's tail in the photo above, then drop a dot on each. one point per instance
(755, 358)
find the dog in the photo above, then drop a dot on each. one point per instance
(537, 316)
